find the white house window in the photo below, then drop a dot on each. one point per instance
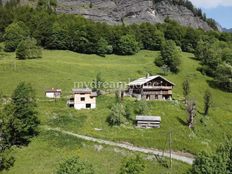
(82, 98)
(88, 106)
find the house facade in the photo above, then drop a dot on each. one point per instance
(83, 99)
(53, 93)
(151, 88)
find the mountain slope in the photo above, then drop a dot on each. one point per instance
(132, 11)
(227, 30)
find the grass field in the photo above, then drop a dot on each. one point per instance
(49, 149)
(62, 68)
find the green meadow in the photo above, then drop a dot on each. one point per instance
(61, 69)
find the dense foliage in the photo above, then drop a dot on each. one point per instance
(216, 63)
(170, 56)
(132, 166)
(75, 165)
(19, 118)
(28, 49)
(117, 115)
(14, 34)
(218, 162)
(18, 123)
(127, 45)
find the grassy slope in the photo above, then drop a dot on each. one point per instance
(49, 149)
(63, 68)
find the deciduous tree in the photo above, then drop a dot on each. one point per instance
(19, 118)
(127, 45)
(191, 109)
(170, 56)
(186, 89)
(207, 101)
(14, 34)
(28, 49)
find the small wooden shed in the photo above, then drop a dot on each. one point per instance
(53, 93)
(148, 121)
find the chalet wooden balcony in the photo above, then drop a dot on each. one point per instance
(157, 92)
(158, 87)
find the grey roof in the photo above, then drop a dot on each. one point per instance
(81, 91)
(84, 91)
(93, 94)
(144, 80)
(147, 118)
(54, 90)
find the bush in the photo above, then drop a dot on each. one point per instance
(75, 166)
(127, 45)
(118, 115)
(216, 163)
(28, 49)
(103, 47)
(14, 34)
(6, 160)
(169, 56)
(223, 77)
(132, 166)
(142, 107)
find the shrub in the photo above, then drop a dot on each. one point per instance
(132, 166)
(170, 56)
(75, 166)
(14, 34)
(118, 115)
(103, 47)
(28, 49)
(218, 162)
(127, 45)
(142, 107)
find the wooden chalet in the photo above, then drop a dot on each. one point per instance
(151, 88)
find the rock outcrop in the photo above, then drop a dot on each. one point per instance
(131, 11)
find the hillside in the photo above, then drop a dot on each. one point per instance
(227, 30)
(62, 68)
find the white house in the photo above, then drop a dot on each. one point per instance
(53, 93)
(83, 99)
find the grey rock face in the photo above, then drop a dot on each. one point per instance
(131, 11)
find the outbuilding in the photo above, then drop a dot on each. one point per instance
(148, 121)
(53, 93)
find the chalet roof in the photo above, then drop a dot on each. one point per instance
(143, 80)
(148, 118)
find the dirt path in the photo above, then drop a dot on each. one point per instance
(177, 156)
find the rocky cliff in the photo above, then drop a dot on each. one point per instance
(131, 11)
